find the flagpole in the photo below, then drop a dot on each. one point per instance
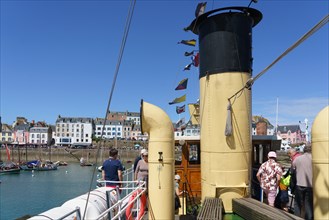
(277, 113)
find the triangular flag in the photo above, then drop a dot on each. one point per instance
(187, 67)
(180, 109)
(195, 60)
(180, 122)
(200, 9)
(188, 42)
(182, 84)
(189, 53)
(178, 100)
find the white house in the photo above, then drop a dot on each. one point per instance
(73, 131)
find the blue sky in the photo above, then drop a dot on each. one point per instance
(59, 58)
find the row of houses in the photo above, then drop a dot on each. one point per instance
(73, 131)
(80, 131)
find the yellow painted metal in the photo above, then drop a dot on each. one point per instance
(225, 161)
(161, 161)
(320, 160)
(194, 110)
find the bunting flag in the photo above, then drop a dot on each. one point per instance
(188, 42)
(180, 109)
(178, 100)
(195, 60)
(182, 84)
(189, 53)
(200, 8)
(180, 122)
(8, 153)
(187, 67)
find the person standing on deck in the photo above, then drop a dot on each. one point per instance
(269, 175)
(138, 158)
(112, 169)
(178, 193)
(293, 154)
(304, 188)
(141, 174)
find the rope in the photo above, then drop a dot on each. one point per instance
(123, 44)
(251, 81)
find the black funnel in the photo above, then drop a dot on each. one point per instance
(225, 39)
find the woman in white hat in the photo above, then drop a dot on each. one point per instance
(177, 193)
(269, 175)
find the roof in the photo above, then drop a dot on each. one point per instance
(286, 128)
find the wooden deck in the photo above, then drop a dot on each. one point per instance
(249, 208)
(211, 209)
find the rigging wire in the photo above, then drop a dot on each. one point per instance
(250, 82)
(123, 44)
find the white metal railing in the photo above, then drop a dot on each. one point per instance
(119, 208)
(129, 189)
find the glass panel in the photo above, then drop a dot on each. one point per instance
(194, 154)
(178, 154)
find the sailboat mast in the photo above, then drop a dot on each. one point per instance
(277, 113)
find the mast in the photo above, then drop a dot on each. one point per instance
(276, 118)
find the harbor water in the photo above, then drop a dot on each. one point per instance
(31, 193)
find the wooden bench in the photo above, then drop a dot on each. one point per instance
(249, 208)
(211, 209)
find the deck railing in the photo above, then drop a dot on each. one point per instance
(127, 195)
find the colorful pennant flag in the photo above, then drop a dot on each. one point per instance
(189, 53)
(180, 122)
(187, 67)
(200, 9)
(182, 84)
(195, 60)
(178, 100)
(188, 42)
(180, 109)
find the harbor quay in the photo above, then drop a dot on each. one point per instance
(65, 154)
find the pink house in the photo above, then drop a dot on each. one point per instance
(291, 133)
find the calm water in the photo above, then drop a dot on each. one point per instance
(25, 194)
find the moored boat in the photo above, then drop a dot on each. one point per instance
(9, 168)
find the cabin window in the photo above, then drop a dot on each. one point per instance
(194, 154)
(178, 154)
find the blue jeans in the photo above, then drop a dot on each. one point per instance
(304, 198)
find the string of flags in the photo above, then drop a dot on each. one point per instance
(195, 61)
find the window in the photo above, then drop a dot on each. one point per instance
(178, 154)
(86, 135)
(32, 135)
(194, 154)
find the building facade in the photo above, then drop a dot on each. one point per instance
(40, 135)
(72, 132)
(291, 134)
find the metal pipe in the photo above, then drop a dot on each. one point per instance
(158, 125)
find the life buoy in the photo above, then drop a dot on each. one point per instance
(141, 208)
